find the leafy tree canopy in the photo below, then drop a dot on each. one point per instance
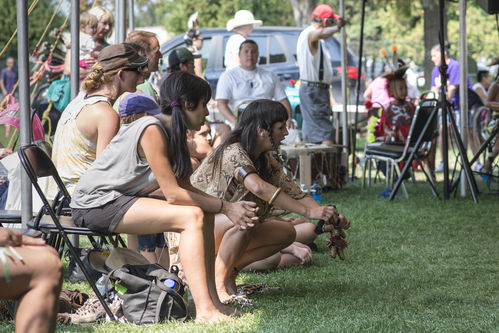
(216, 13)
(37, 22)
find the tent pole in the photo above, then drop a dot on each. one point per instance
(359, 75)
(24, 107)
(131, 16)
(120, 21)
(75, 50)
(463, 86)
(344, 82)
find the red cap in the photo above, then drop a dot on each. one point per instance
(324, 11)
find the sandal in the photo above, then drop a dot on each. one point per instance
(71, 300)
(239, 300)
(256, 288)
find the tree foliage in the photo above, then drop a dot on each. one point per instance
(37, 23)
(216, 13)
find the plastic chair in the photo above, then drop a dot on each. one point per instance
(394, 153)
(52, 219)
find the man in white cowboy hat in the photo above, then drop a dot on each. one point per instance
(242, 24)
(316, 74)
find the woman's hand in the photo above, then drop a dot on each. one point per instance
(15, 238)
(241, 213)
(323, 213)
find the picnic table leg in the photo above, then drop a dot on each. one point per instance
(306, 170)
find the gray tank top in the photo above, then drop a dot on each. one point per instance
(118, 170)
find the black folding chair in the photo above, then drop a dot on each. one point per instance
(53, 219)
(393, 153)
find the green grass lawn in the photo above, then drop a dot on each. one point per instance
(417, 265)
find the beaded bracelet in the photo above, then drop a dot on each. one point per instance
(274, 196)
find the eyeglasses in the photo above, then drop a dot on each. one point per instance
(330, 20)
(139, 69)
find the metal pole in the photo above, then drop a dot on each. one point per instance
(120, 21)
(75, 49)
(117, 22)
(75, 66)
(131, 16)
(344, 82)
(463, 85)
(443, 99)
(359, 75)
(24, 107)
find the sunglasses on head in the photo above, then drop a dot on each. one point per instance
(138, 69)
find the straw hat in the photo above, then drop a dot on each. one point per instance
(242, 17)
(104, 262)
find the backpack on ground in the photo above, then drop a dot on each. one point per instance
(150, 293)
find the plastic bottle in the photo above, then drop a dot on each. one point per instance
(315, 192)
(101, 285)
(172, 284)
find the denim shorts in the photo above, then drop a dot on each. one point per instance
(150, 242)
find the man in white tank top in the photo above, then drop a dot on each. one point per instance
(316, 74)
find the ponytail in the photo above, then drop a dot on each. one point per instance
(178, 143)
(178, 89)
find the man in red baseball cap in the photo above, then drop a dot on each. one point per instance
(316, 74)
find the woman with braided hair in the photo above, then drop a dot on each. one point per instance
(242, 168)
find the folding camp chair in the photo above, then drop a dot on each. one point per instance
(393, 153)
(52, 219)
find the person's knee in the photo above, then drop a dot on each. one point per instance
(195, 218)
(50, 267)
(305, 232)
(289, 234)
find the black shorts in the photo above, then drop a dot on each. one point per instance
(103, 219)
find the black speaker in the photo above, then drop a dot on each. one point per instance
(490, 6)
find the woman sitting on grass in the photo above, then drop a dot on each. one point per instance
(242, 168)
(140, 183)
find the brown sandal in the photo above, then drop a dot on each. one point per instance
(71, 300)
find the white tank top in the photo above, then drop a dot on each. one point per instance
(309, 63)
(72, 152)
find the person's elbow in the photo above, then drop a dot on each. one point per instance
(255, 185)
(257, 189)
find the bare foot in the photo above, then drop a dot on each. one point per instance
(231, 286)
(213, 317)
(225, 309)
(223, 295)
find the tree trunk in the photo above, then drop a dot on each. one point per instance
(302, 9)
(431, 31)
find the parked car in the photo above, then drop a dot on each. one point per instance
(277, 48)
